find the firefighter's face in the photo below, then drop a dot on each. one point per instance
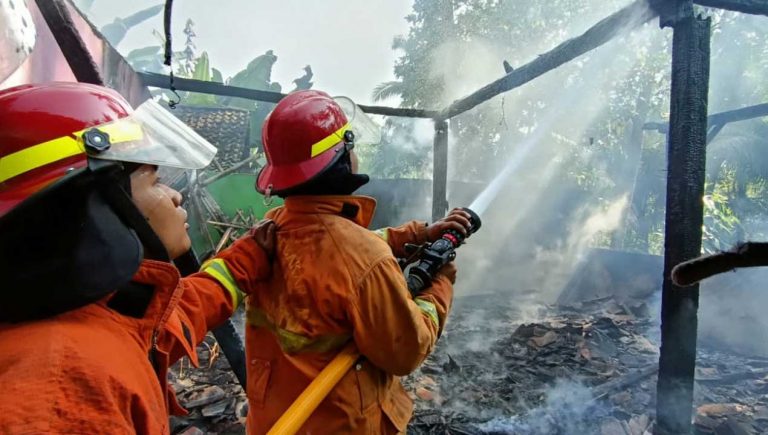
(161, 205)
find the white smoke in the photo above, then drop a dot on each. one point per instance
(567, 410)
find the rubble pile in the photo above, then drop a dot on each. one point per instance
(211, 393)
(588, 368)
(731, 393)
(504, 367)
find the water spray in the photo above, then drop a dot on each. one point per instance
(435, 255)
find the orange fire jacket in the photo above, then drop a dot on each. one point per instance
(334, 281)
(96, 371)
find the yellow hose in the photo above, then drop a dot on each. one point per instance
(304, 405)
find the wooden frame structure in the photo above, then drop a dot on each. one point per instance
(688, 132)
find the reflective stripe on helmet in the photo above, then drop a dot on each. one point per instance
(325, 144)
(66, 146)
(39, 155)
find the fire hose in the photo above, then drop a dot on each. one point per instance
(431, 257)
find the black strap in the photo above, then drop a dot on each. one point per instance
(349, 211)
(121, 202)
(132, 299)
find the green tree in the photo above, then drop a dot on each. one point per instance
(607, 153)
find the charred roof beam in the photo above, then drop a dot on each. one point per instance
(754, 7)
(719, 119)
(214, 88)
(617, 24)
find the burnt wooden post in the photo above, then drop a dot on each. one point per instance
(78, 57)
(440, 171)
(686, 156)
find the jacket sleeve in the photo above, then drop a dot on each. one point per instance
(393, 330)
(212, 295)
(414, 232)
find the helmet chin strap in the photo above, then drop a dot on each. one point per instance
(337, 179)
(114, 186)
(268, 198)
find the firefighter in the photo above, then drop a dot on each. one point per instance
(92, 311)
(334, 281)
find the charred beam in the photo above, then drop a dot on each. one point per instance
(661, 127)
(73, 47)
(757, 111)
(440, 171)
(748, 254)
(204, 87)
(755, 7)
(713, 131)
(621, 22)
(686, 158)
(213, 88)
(399, 111)
(722, 118)
(623, 382)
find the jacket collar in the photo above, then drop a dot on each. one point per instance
(358, 209)
(165, 278)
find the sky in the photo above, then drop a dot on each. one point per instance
(348, 43)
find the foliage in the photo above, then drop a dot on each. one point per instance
(186, 63)
(721, 225)
(452, 46)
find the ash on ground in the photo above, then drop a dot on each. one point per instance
(503, 368)
(589, 368)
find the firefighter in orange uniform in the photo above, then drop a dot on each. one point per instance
(334, 281)
(92, 311)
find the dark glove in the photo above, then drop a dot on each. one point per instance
(457, 220)
(448, 271)
(264, 235)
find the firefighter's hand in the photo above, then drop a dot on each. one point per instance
(457, 220)
(448, 271)
(264, 235)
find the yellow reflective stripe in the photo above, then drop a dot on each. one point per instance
(292, 342)
(217, 268)
(383, 233)
(39, 155)
(429, 309)
(124, 130)
(328, 142)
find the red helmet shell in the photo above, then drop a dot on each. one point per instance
(302, 137)
(31, 115)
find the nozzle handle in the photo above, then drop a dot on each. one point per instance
(474, 220)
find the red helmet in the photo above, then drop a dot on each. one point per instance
(48, 131)
(36, 123)
(303, 136)
(69, 231)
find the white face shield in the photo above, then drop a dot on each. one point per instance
(17, 36)
(366, 131)
(150, 135)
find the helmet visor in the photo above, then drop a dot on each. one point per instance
(366, 131)
(151, 135)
